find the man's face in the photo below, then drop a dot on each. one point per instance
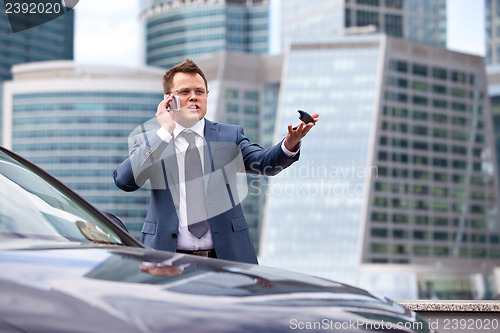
(193, 105)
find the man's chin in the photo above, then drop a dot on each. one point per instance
(188, 121)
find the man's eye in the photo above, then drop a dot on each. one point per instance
(184, 92)
(199, 92)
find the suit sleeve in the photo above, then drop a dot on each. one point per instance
(132, 173)
(259, 160)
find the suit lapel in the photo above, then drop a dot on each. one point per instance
(211, 133)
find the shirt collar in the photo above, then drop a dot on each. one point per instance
(198, 128)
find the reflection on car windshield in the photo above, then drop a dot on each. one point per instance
(31, 207)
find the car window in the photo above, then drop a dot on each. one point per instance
(33, 208)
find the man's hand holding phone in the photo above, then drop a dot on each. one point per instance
(165, 118)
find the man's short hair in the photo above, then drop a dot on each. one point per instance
(187, 66)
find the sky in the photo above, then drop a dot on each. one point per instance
(108, 32)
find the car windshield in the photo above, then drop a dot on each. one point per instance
(32, 207)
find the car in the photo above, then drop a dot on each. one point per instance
(65, 266)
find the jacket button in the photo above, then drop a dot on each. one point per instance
(174, 236)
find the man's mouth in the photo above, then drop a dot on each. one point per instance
(193, 107)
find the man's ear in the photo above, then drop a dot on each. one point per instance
(165, 96)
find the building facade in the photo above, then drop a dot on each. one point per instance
(76, 122)
(492, 26)
(50, 41)
(421, 21)
(396, 190)
(175, 30)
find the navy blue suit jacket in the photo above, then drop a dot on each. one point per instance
(227, 152)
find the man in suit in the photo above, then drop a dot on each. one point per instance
(212, 224)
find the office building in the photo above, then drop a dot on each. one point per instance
(50, 41)
(492, 13)
(421, 21)
(174, 30)
(75, 121)
(244, 90)
(396, 188)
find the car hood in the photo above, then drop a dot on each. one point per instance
(141, 290)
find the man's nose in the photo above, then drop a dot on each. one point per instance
(192, 96)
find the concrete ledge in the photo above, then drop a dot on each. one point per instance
(460, 306)
(458, 316)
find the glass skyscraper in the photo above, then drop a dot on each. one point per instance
(75, 121)
(396, 188)
(174, 30)
(492, 25)
(416, 20)
(50, 41)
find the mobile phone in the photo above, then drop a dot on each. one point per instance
(305, 117)
(175, 104)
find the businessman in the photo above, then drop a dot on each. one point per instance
(191, 165)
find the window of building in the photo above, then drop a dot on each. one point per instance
(379, 232)
(400, 218)
(440, 147)
(251, 109)
(478, 253)
(232, 93)
(458, 76)
(379, 217)
(400, 249)
(401, 143)
(420, 115)
(440, 177)
(420, 175)
(420, 220)
(421, 250)
(439, 89)
(364, 18)
(439, 133)
(397, 4)
(232, 108)
(381, 186)
(400, 188)
(441, 251)
(400, 233)
(459, 92)
(420, 160)
(379, 248)
(398, 66)
(251, 95)
(439, 73)
(439, 103)
(440, 236)
(380, 202)
(440, 221)
(420, 70)
(419, 86)
(420, 100)
(420, 190)
(420, 145)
